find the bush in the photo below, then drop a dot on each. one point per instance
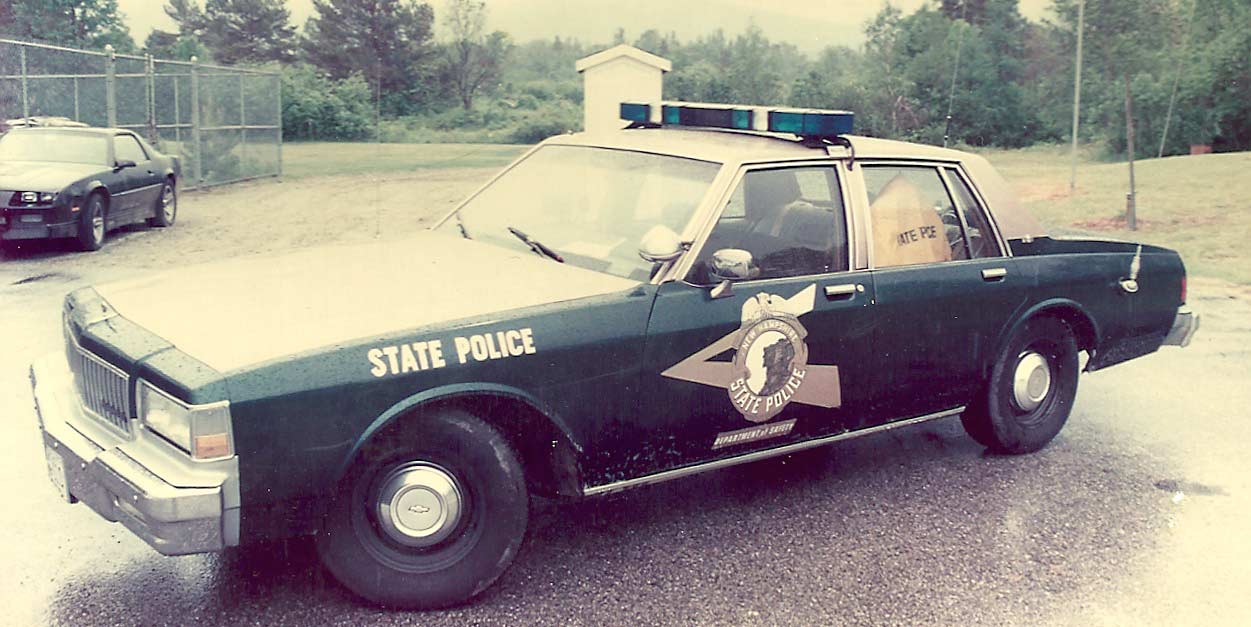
(317, 107)
(535, 129)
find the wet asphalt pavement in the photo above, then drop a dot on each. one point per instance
(1137, 514)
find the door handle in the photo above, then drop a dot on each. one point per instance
(846, 291)
(994, 274)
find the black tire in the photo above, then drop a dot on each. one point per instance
(166, 210)
(356, 547)
(1007, 420)
(92, 223)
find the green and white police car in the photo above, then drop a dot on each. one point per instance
(711, 286)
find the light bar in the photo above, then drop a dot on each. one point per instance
(814, 123)
(811, 123)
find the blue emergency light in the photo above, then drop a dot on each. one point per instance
(809, 123)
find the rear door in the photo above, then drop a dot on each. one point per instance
(944, 287)
(781, 357)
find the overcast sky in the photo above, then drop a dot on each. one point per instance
(809, 24)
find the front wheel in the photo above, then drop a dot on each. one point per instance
(427, 517)
(1030, 392)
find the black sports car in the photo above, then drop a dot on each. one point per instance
(81, 183)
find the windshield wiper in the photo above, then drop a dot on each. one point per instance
(536, 245)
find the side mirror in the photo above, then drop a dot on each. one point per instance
(729, 265)
(733, 264)
(122, 164)
(661, 244)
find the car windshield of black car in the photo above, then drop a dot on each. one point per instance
(591, 206)
(54, 146)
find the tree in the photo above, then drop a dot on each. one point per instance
(187, 42)
(76, 23)
(971, 11)
(386, 41)
(472, 58)
(660, 45)
(160, 44)
(249, 31)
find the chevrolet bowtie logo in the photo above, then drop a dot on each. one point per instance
(419, 509)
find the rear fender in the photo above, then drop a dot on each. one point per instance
(1085, 328)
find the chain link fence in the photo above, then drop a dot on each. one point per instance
(224, 122)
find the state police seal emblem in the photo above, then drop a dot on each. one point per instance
(770, 368)
(770, 360)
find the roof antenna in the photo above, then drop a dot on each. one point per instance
(951, 95)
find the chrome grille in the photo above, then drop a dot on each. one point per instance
(103, 388)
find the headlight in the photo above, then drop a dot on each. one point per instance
(38, 198)
(201, 430)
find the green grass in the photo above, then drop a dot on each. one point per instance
(305, 159)
(1197, 205)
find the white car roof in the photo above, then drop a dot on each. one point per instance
(735, 147)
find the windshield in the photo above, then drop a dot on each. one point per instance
(591, 206)
(60, 147)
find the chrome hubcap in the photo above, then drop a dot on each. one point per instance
(97, 226)
(169, 203)
(419, 505)
(1032, 381)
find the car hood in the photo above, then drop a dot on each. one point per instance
(242, 313)
(43, 176)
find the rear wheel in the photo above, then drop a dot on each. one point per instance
(429, 517)
(1030, 392)
(91, 223)
(166, 205)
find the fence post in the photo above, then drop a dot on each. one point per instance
(195, 121)
(110, 85)
(177, 115)
(278, 90)
(243, 127)
(25, 93)
(149, 69)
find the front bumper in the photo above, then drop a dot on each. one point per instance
(1184, 327)
(174, 505)
(14, 228)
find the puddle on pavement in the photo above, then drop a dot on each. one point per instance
(1189, 488)
(41, 277)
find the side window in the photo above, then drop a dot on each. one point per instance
(790, 219)
(982, 242)
(127, 148)
(914, 218)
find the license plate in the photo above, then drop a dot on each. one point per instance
(56, 472)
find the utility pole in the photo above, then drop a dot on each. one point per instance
(1077, 93)
(1131, 202)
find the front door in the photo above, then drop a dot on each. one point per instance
(139, 197)
(781, 357)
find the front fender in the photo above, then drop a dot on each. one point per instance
(449, 392)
